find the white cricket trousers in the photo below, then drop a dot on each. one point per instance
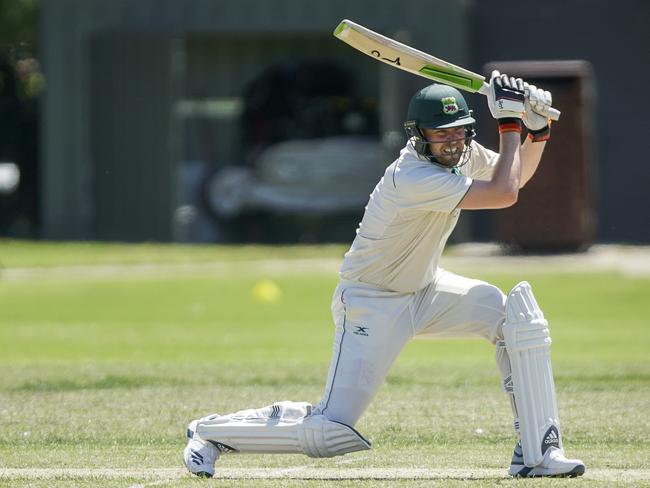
(373, 325)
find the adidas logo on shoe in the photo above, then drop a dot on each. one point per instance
(196, 456)
(552, 438)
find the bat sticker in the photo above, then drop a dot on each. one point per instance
(377, 54)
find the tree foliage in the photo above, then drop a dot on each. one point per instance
(19, 24)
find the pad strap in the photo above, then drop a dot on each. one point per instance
(503, 362)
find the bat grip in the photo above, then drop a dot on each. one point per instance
(553, 113)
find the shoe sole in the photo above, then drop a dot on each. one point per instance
(200, 474)
(203, 474)
(574, 473)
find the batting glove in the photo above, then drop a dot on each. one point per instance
(506, 96)
(537, 103)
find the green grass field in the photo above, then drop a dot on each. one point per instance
(108, 351)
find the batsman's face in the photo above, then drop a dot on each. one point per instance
(446, 144)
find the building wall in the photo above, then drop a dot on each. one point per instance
(77, 139)
(131, 140)
(615, 39)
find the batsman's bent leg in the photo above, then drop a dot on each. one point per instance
(372, 327)
(283, 428)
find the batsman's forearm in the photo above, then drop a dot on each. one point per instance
(503, 188)
(507, 175)
(531, 155)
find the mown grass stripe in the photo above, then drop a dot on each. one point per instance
(303, 473)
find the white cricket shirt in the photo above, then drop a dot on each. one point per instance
(408, 219)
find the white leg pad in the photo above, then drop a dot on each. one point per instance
(528, 344)
(282, 428)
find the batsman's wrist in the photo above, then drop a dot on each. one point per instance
(509, 124)
(540, 135)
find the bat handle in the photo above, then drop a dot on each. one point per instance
(554, 114)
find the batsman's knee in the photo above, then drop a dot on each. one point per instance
(488, 296)
(489, 309)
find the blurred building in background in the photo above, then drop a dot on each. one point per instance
(21, 86)
(246, 121)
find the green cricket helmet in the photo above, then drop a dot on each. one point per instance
(438, 107)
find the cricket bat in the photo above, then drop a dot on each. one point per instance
(409, 59)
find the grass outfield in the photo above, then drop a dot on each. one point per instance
(107, 351)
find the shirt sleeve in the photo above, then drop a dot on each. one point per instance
(482, 163)
(430, 188)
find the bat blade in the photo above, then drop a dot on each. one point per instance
(406, 58)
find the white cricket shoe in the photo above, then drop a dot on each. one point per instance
(199, 455)
(554, 464)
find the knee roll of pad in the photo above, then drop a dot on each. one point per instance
(321, 437)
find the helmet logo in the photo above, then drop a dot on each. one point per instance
(449, 105)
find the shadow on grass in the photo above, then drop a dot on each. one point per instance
(113, 381)
(104, 383)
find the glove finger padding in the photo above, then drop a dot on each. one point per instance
(546, 99)
(537, 105)
(506, 97)
(536, 98)
(532, 94)
(519, 83)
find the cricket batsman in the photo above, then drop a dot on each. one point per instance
(392, 289)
